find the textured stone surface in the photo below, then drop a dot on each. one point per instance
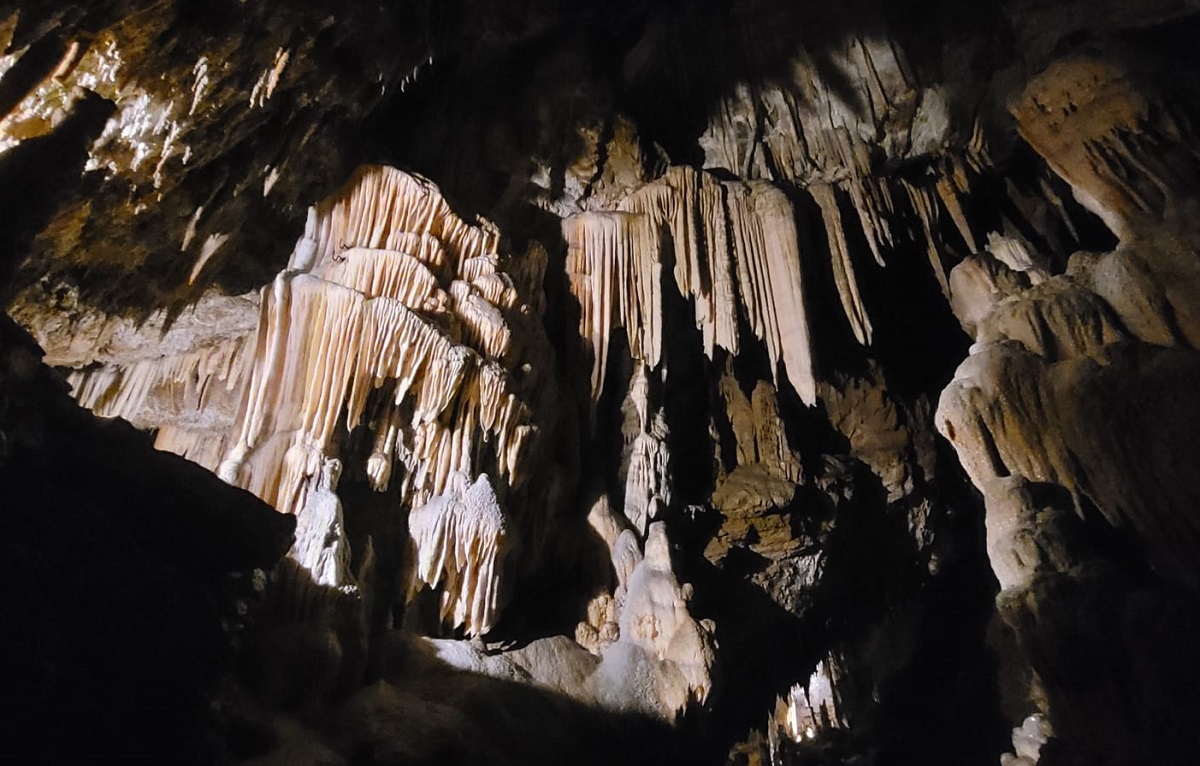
(630, 417)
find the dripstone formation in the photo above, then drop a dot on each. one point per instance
(646, 382)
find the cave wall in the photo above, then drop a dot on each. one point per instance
(735, 358)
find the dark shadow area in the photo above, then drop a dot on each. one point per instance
(686, 393)
(39, 175)
(764, 649)
(126, 566)
(37, 63)
(834, 346)
(511, 87)
(1018, 201)
(918, 341)
(304, 688)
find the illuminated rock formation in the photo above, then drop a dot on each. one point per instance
(598, 482)
(182, 375)
(1062, 414)
(812, 708)
(614, 260)
(391, 314)
(614, 264)
(655, 618)
(645, 459)
(463, 539)
(321, 546)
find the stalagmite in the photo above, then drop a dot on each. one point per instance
(656, 619)
(461, 541)
(1022, 411)
(321, 546)
(645, 459)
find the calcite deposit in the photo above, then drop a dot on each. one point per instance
(748, 382)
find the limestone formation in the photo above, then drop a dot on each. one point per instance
(182, 375)
(813, 707)
(463, 540)
(843, 267)
(736, 253)
(645, 459)
(655, 618)
(614, 264)
(321, 545)
(620, 442)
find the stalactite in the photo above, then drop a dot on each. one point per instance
(843, 267)
(951, 184)
(614, 264)
(691, 205)
(828, 118)
(614, 261)
(385, 210)
(394, 314)
(768, 261)
(872, 201)
(1103, 132)
(813, 707)
(926, 209)
(187, 390)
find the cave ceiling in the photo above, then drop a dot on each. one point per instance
(231, 118)
(768, 381)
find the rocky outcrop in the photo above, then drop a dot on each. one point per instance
(627, 425)
(1068, 415)
(215, 124)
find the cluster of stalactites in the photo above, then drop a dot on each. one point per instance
(460, 540)
(1127, 151)
(615, 269)
(180, 373)
(393, 315)
(823, 117)
(736, 254)
(692, 206)
(833, 127)
(185, 383)
(386, 209)
(811, 708)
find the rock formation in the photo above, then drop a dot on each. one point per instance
(714, 382)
